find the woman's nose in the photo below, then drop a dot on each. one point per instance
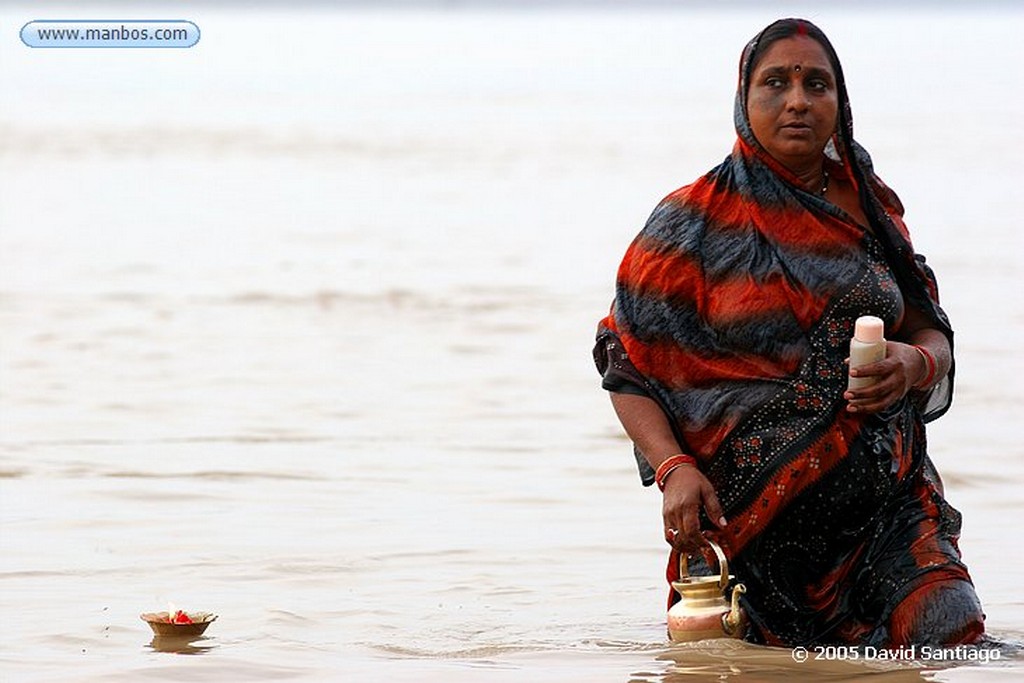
(798, 99)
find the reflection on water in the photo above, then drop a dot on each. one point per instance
(731, 660)
(187, 645)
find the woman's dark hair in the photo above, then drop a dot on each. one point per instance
(787, 28)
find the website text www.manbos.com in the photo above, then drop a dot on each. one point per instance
(91, 33)
(120, 33)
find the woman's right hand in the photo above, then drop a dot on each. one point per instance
(687, 490)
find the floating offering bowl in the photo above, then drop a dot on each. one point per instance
(178, 624)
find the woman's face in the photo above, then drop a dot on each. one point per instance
(792, 103)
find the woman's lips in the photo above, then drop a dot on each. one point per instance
(799, 129)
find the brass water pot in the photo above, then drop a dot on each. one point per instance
(703, 610)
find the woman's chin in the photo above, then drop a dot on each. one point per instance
(796, 154)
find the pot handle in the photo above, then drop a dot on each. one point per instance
(723, 564)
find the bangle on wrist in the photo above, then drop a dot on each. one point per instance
(670, 464)
(929, 361)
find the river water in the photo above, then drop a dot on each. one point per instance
(295, 327)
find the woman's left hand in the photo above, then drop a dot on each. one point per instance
(902, 368)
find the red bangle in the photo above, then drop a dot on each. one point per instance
(671, 463)
(929, 361)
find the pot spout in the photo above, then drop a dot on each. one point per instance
(732, 621)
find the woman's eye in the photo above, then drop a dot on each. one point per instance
(820, 86)
(773, 82)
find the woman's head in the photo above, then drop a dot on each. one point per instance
(792, 96)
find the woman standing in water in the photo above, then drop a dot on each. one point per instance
(724, 355)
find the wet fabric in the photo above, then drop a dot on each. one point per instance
(734, 308)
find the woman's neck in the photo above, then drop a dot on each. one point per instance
(812, 177)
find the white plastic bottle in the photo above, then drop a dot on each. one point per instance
(866, 347)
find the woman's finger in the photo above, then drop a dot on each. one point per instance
(711, 505)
